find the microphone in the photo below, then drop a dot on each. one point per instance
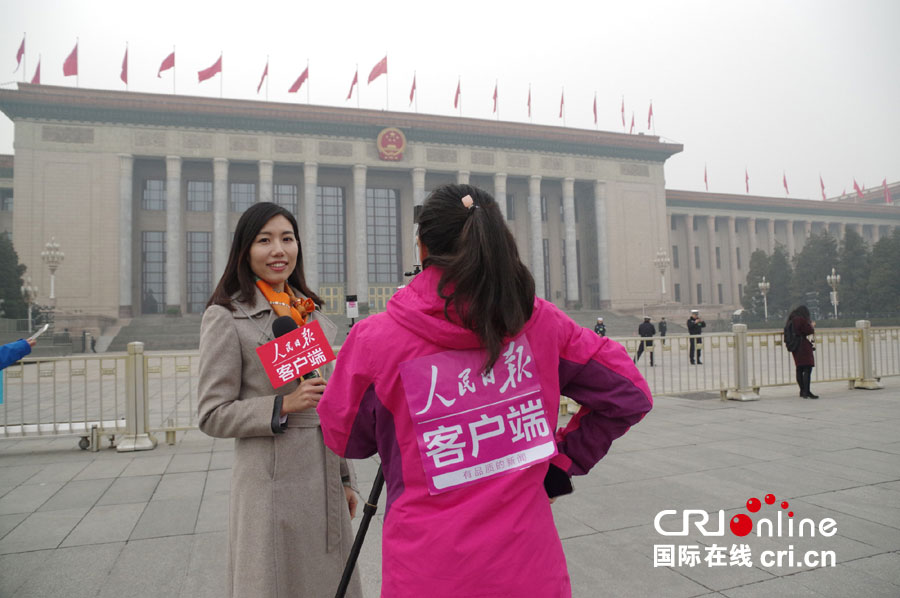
(285, 325)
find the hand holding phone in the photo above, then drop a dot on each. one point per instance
(33, 338)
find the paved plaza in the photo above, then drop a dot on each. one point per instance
(76, 523)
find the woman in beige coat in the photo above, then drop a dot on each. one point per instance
(291, 502)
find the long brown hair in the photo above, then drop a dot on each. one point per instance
(483, 279)
(238, 276)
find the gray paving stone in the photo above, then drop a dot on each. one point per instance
(131, 489)
(167, 518)
(106, 468)
(213, 515)
(72, 572)
(873, 503)
(13, 475)
(146, 466)
(77, 494)
(189, 462)
(846, 581)
(58, 472)
(27, 498)
(8, 522)
(175, 486)
(885, 567)
(41, 530)
(206, 571)
(154, 567)
(221, 460)
(106, 523)
(16, 569)
(217, 482)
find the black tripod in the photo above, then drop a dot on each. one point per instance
(369, 510)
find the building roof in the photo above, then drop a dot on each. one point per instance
(123, 107)
(756, 205)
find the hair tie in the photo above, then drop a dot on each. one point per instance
(467, 202)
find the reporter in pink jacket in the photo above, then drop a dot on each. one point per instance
(456, 386)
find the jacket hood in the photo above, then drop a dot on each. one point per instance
(418, 308)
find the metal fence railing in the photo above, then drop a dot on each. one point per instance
(130, 397)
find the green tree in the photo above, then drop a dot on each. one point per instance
(752, 299)
(11, 272)
(853, 266)
(811, 266)
(884, 283)
(779, 275)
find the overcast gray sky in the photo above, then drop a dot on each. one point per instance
(802, 87)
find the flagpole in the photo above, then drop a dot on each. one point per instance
(497, 89)
(307, 81)
(387, 75)
(221, 72)
(358, 86)
(174, 66)
(267, 77)
(77, 76)
(416, 96)
(653, 118)
(564, 104)
(24, 56)
(126, 66)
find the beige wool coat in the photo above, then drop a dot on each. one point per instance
(289, 528)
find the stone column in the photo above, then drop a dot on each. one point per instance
(500, 192)
(876, 233)
(462, 177)
(751, 230)
(265, 180)
(220, 217)
(771, 225)
(571, 257)
(126, 234)
(807, 230)
(537, 234)
(691, 294)
(712, 294)
(791, 247)
(842, 230)
(418, 183)
(310, 229)
(602, 241)
(359, 224)
(733, 265)
(174, 247)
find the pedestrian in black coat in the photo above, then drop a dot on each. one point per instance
(645, 330)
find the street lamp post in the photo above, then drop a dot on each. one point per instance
(29, 292)
(53, 257)
(764, 289)
(834, 280)
(662, 261)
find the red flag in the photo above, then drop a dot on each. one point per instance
(595, 108)
(623, 113)
(20, 54)
(529, 101)
(887, 194)
(859, 192)
(379, 69)
(747, 180)
(412, 92)
(784, 182)
(263, 78)
(37, 74)
(167, 63)
(650, 115)
(562, 102)
(301, 80)
(495, 97)
(70, 66)
(353, 83)
(124, 74)
(456, 97)
(705, 182)
(631, 130)
(210, 72)
(822, 185)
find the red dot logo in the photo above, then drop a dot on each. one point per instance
(770, 499)
(784, 505)
(741, 525)
(753, 505)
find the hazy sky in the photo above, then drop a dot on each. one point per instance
(802, 87)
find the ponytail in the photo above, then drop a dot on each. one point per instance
(483, 279)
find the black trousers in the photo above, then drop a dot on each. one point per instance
(698, 343)
(640, 351)
(804, 377)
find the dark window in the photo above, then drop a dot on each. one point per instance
(672, 223)
(699, 293)
(719, 289)
(286, 197)
(199, 270)
(740, 291)
(696, 257)
(332, 241)
(510, 207)
(546, 246)
(677, 292)
(199, 196)
(694, 223)
(6, 200)
(674, 256)
(543, 209)
(718, 259)
(715, 225)
(154, 196)
(382, 231)
(243, 195)
(737, 251)
(153, 272)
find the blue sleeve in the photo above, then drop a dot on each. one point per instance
(13, 352)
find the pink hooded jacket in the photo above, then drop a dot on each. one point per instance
(488, 538)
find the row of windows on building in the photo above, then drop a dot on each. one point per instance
(719, 288)
(675, 262)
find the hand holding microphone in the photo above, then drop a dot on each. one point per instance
(307, 395)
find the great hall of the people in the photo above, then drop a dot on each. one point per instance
(143, 191)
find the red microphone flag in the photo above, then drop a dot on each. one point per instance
(495, 97)
(20, 54)
(36, 80)
(263, 78)
(353, 83)
(124, 74)
(301, 80)
(412, 92)
(167, 63)
(70, 66)
(378, 70)
(210, 72)
(456, 97)
(822, 185)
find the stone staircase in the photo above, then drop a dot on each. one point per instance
(159, 333)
